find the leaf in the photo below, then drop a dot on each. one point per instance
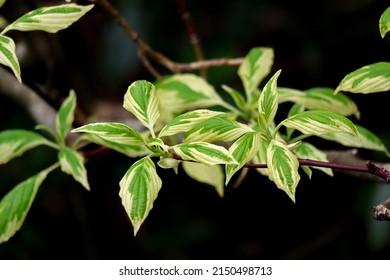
(183, 92)
(138, 190)
(15, 142)
(384, 22)
(8, 56)
(114, 132)
(219, 128)
(49, 19)
(72, 163)
(308, 151)
(236, 96)
(255, 68)
(65, 116)
(295, 109)
(203, 152)
(186, 121)
(268, 102)
(319, 122)
(141, 100)
(365, 139)
(283, 168)
(15, 204)
(243, 150)
(2, 3)
(261, 156)
(368, 79)
(129, 150)
(211, 175)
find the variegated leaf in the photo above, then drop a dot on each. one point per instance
(65, 115)
(255, 68)
(243, 150)
(15, 204)
(15, 142)
(319, 122)
(141, 100)
(308, 151)
(268, 102)
(295, 109)
(50, 19)
(237, 97)
(261, 157)
(72, 163)
(186, 121)
(283, 168)
(384, 22)
(138, 190)
(8, 55)
(368, 79)
(203, 152)
(114, 132)
(219, 128)
(212, 175)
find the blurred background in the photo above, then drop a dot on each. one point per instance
(316, 44)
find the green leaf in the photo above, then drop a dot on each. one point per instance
(255, 68)
(183, 92)
(218, 128)
(368, 79)
(129, 150)
(8, 56)
(261, 156)
(365, 139)
(72, 163)
(384, 22)
(65, 116)
(283, 168)
(15, 204)
(319, 122)
(236, 96)
(114, 132)
(295, 109)
(49, 19)
(243, 150)
(211, 175)
(203, 152)
(2, 3)
(268, 102)
(308, 151)
(186, 121)
(15, 142)
(141, 100)
(138, 190)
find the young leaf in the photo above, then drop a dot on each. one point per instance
(384, 22)
(319, 122)
(114, 132)
(141, 100)
(236, 96)
(308, 151)
(65, 115)
(268, 102)
(243, 150)
(49, 19)
(255, 68)
(72, 163)
(283, 168)
(138, 190)
(203, 152)
(8, 55)
(15, 205)
(219, 128)
(368, 79)
(187, 121)
(212, 175)
(15, 142)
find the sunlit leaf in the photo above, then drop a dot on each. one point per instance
(72, 163)
(283, 168)
(65, 115)
(50, 19)
(138, 190)
(8, 55)
(15, 142)
(368, 79)
(308, 151)
(384, 22)
(212, 175)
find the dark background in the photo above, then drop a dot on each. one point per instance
(316, 44)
